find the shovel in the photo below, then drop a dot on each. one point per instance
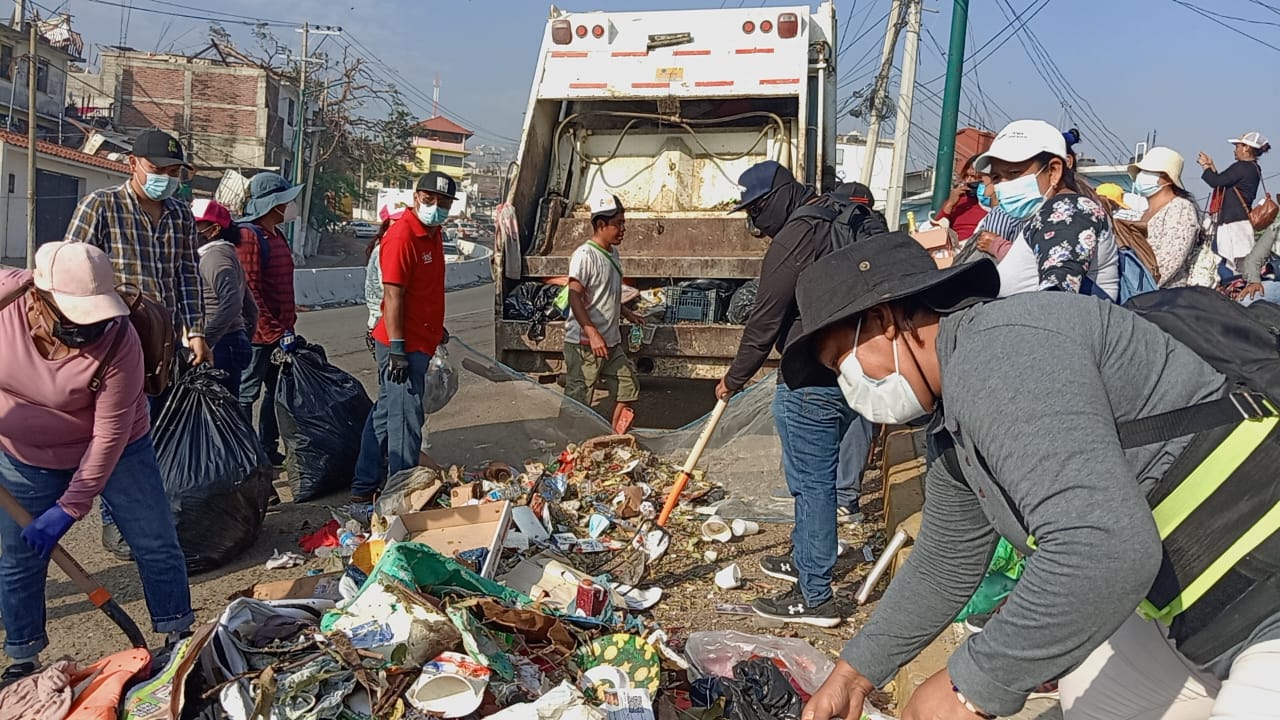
(98, 595)
(682, 479)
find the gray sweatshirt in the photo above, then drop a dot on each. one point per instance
(228, 302)
(1035, 385)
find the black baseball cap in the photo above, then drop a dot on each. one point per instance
(438, 183)
(160, 148)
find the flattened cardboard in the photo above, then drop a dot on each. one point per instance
(449, 531)
(324, 587)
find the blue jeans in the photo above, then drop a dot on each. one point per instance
(855, 446)
(395, 425)
(1270, 293)
(811, 423)
(232, 355)
(155, 403)
(261, 376)
(135, 493)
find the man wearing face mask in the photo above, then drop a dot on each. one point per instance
(809, 413)
(406, 336)
(268, 268)
(150, 237)
(1065, 459)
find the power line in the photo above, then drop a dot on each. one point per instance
(1261, 4)
(1251, 21)
(1232, 28)
(970, 64)
(189, 16)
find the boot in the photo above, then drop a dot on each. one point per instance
(114, 543)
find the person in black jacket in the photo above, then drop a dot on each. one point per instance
(1234, 192)
(811, 421)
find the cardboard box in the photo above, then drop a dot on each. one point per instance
(549, 578)
(903, 493)
(449, 531)
(323, 586)
(464, 494)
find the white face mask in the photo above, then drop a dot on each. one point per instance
(291, 212)
(889, 400)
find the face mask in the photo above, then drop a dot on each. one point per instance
(432, 215)
(290, 212)
(983, 200)
(78, 336)
(1021, 196)
(160, 187)
(1146, 184)
(889, 400)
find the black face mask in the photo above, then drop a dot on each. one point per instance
(772, 211)
(78, 336)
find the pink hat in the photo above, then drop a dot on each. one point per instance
(386, 212)
(81, 280)
(206, 210)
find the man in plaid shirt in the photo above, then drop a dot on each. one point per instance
(150, 237)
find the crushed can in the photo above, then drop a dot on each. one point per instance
(591, 598)
(635, 340)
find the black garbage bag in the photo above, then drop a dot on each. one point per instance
(215, 472)
(529, 301)
(759, 691)
(321, 412)
(742, 302)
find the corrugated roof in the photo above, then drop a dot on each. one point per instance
(441, 123)
(66, 153)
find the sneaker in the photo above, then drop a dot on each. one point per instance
(17, 671)
(114, 543)
(791, 607)
(846, 516)
(780, 567)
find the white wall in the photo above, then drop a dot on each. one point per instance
(13, 205)
(849, 160)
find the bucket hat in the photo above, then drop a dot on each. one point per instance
(266, 191)
(1022, 140)
(880, 269)
(1162, 160)
(81, 280)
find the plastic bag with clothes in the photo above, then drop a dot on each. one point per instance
(321, 411)
(743, 302)
(441, 382)
(216, 475)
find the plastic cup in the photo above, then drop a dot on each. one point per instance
(729, 577)
(743, 528)
(715, 528)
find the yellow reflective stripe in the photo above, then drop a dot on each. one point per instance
(1210, 474)
(1263, 529)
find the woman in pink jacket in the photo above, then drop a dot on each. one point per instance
(62, 443)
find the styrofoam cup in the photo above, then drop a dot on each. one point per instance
(715, 528)
(743, 528)
(729, 577)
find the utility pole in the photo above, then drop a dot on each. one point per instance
(302, 105)
(945, 164)
(880, 94)
(306, 204)
(902, 121)
(32, 64)
(19, 12)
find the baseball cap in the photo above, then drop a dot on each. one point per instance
(81, 280)
(856, 192)
(605, 206)
(206, 210)
(1022, 140)
(759, 180)
(160, 148)
(1253, 139)
(1162, 160)
(1114, 193)
(438, 183)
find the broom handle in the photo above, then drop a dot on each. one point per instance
(673, 497)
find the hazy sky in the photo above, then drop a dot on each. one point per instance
(1142, 65)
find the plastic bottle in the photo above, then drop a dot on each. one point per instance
(348, 539)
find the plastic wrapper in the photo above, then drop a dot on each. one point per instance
(321, 411)
(742, 302)
(215, 473)
(441, 382)
(717, 653)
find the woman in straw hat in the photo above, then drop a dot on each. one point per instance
(1173, 222)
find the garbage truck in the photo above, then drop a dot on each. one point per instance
(665, 110)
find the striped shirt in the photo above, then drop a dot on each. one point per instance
(160, 261)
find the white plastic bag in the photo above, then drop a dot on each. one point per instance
(717, 652)
(441, 382)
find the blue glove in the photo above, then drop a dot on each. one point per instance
(45, 531)
(287, 341)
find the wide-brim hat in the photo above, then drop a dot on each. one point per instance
(266, 191)
(880, 269)
(81, 280)
(1161, 160)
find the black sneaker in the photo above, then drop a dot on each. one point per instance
(791, 607)
(780, 566)
(114, 543)
(17, 671)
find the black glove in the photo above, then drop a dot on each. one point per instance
(398, 363)
(444, 340)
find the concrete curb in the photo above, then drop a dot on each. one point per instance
(326, 287)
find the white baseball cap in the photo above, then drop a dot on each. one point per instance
(1022, 140)
(1160, 160)
(605, 206)
(81, 280)
(1253, 139)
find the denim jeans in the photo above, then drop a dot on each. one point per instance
(135, 493)
(155, 403)
(811, 423)
(232, 355)
(855, 446)
(261, 375)
(1270, 293)
(394, 426)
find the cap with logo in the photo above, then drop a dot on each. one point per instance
(438, 183)
(605, 206)
(160, 149)
(268, 190)
(1253, 139)
(1022, 140)
(81, 280)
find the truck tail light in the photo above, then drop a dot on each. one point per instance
(766, 26)
(748, 27)
(597, 32)
(788, 25)
(561, 32)
(581, 31)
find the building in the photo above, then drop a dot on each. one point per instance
(54, 59)
(230, 112)
(440, 144)
(851, 153)
(63, 176)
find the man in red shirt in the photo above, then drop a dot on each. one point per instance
(407, 334)
(268, 268)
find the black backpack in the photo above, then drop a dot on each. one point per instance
(850, 221)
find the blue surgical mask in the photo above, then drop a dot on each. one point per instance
(1146, 184)
(160, 187)
(983, 200)
(1021, 196)
(432, 215)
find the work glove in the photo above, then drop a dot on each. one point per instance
(45, 531)
(287, 341)
(398, 363)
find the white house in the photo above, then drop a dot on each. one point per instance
(851, 153)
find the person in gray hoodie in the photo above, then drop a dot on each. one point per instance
(1031, 395)
(229, 308)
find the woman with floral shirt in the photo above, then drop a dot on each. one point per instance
(1067, 242)
(1173, 222)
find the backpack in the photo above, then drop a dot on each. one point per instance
(850, 221)
(1135, 278)
(264, 244)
